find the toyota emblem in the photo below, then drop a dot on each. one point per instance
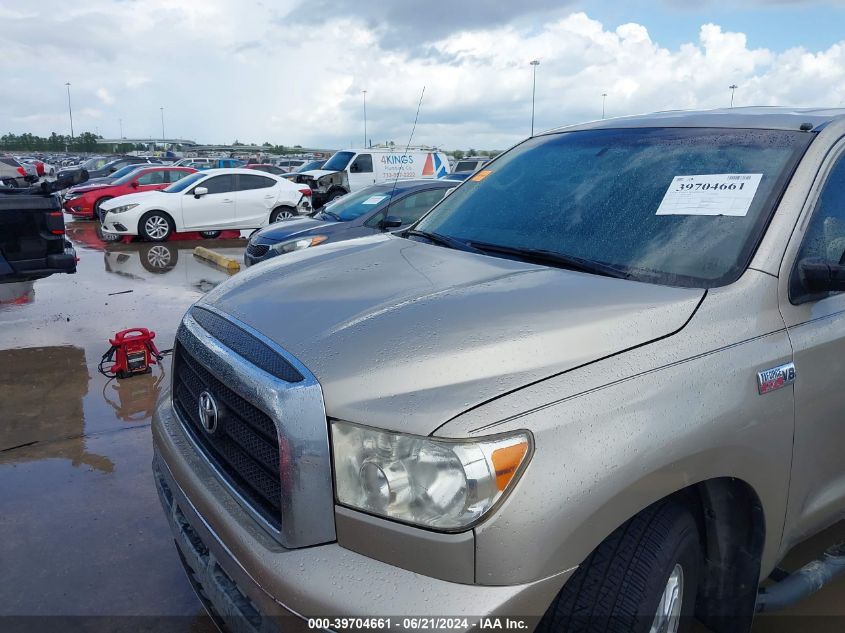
(208, 412)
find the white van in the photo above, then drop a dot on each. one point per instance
(350, 170)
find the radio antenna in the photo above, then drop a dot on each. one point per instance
(407, 147)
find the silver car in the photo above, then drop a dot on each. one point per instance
(597, 388)
(13, 173)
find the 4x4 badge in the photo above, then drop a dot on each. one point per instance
(775, 378)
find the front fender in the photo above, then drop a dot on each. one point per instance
(604, 454)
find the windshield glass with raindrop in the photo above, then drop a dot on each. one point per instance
(674, 206)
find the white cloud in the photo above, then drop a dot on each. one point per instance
(226, 70)
(104, 96)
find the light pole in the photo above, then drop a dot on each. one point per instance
(603, 103)
(364, 92)
(120, 123)
(733, 88)
(534, 63)
(70, 112)
(162, 126)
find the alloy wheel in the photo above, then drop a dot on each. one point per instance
(668, 616)
(156, 227)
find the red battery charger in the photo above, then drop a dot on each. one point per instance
(133, 352)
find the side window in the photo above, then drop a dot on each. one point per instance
(247, 182)
(219, 184)
(411, 208)
(176, 174)
(825, 236)
(363, 164)
(156, 177)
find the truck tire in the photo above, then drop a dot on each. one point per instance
(155, 226)
(282, 213)
(646, 570)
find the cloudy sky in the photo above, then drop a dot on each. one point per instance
(292, 71)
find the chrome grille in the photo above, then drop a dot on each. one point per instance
(245, 446)
(270, 446)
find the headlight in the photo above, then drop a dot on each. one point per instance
(436, 483)
(298, 244)
(121, 209)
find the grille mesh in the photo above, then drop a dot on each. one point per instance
(257, 250)
(245, 446)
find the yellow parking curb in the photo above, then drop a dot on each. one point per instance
(216, 258)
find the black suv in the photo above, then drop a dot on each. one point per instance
(32, 232)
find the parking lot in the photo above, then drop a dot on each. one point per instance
(82, 527)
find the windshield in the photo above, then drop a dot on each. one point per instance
(184, 183)
(122, 176)
(94, 163)
(466, 165)
(338, 161)
(354, 205)
(676, 206)
(314, 164)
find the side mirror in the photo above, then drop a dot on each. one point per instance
(817, 275)
(134, 184)
(390, 222)
(199, 192)
(353, 168)
(112, 170)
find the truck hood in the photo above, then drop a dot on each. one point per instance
(406, 335)
(316, 174)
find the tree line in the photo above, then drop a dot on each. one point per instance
(26, 142)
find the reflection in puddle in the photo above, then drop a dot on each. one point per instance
(43, 390)
(133, 399)
(175, 260)
(17, 293)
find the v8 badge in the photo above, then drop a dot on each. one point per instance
(775, 378)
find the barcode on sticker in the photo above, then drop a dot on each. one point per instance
(739, 177)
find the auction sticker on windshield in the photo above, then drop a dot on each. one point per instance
(710, 194)
(374, 199)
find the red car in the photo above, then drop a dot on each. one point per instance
(270, 169)
(85, 200)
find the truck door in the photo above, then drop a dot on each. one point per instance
(361, 172)
(816, 326)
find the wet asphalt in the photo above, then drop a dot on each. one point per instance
(81, 529)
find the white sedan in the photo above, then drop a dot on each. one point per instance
(208, 201)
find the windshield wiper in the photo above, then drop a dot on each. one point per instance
(443, 240)
(541, 256)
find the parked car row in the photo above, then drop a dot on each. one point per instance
(85, 200)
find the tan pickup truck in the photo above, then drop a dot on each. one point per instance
(598, 387)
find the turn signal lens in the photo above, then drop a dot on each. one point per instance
(506, 461)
